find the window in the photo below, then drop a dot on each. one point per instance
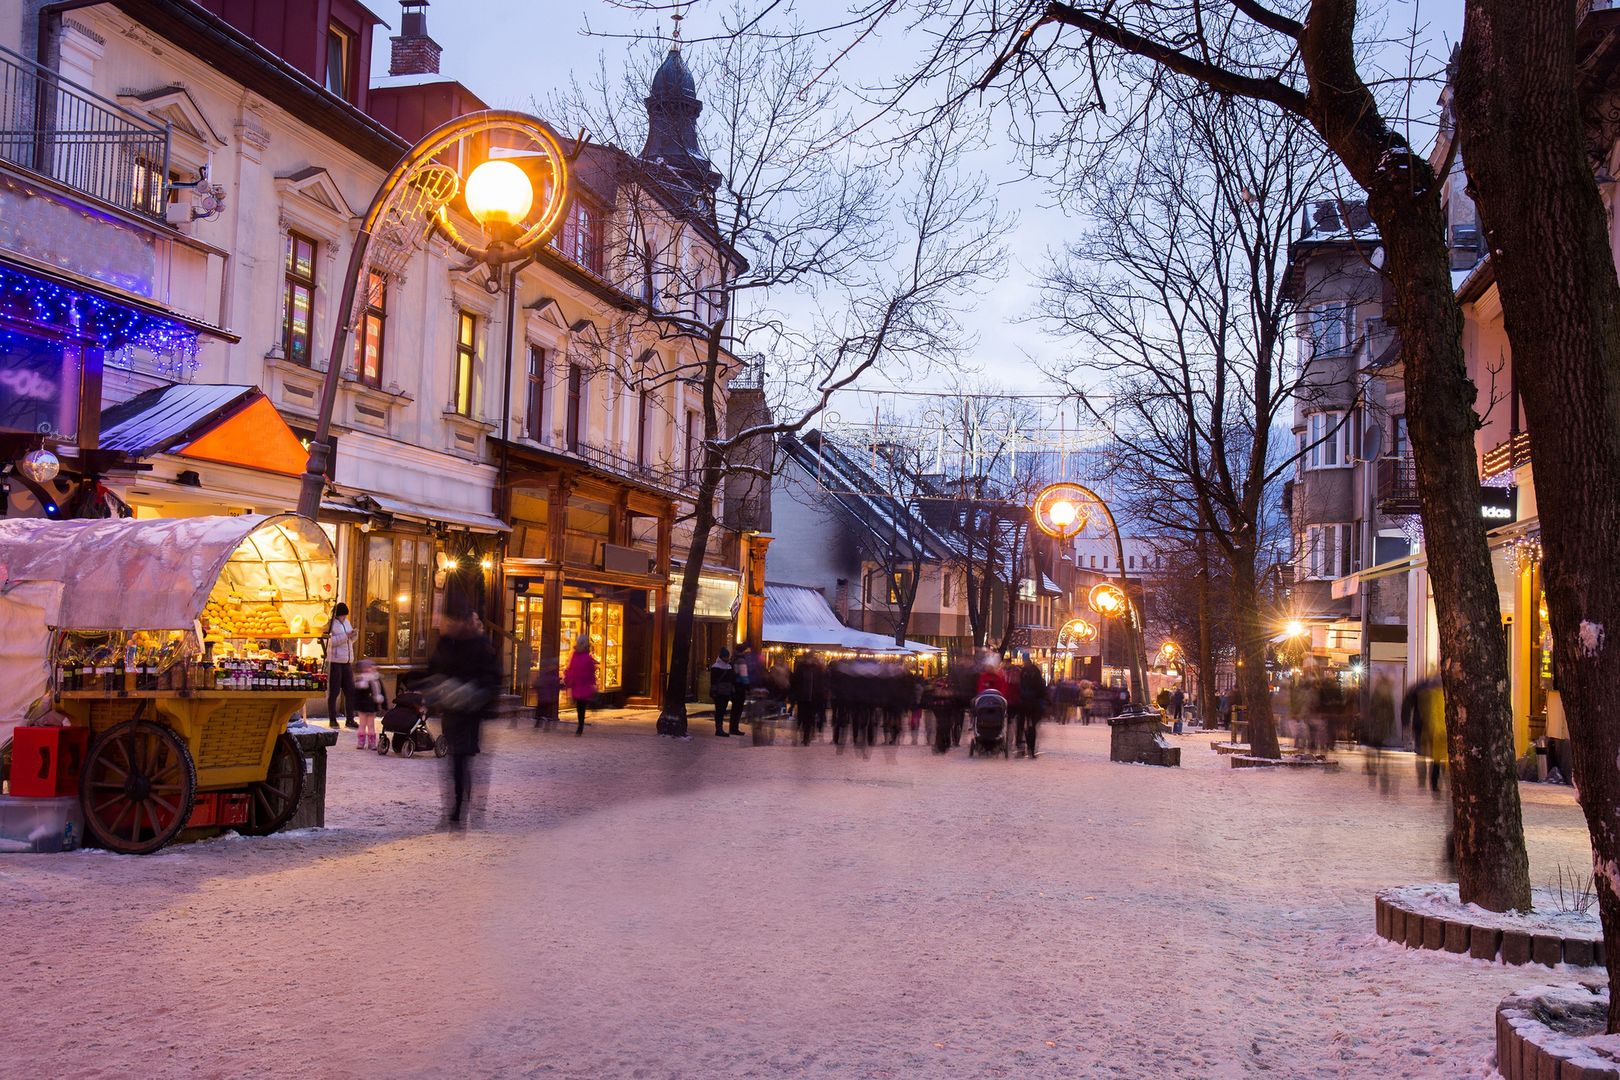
(1399, 446)
(536, 408)
(398, 600)
(694, 439)
(466, 358)
(1329, 551)
(148, 187)
(1133, 562)
(641, 426)
(368, 338)
(1328, 441)
(338, 52)
(299, 298)
(576, 397)
(946, 578)
(1330, 329)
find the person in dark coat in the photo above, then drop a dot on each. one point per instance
(722, 685)
(464, 679)
(809, 691)
(1031, 704)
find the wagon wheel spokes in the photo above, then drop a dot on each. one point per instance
(275, 799)
(137, 787)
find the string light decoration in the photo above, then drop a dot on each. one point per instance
(89, 318)
(1527, 552)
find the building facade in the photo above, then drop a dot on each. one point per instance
(523, 446)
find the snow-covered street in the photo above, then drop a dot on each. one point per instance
(633, 907)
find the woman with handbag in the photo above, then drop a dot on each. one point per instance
(580, 678)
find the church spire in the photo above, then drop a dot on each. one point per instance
(672, 113)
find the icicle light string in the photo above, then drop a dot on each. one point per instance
(118, 329)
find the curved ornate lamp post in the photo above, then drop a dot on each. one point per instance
(412, 203)
(1061, 510)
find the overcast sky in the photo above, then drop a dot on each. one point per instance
(515, 52)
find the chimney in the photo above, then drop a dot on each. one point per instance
(414, 52)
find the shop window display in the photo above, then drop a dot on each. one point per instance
(399, 583)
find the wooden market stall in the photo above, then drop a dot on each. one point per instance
(174, 642)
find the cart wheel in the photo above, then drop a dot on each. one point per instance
(137, 787)
(409, 749)
(382, 746)
(441, 746)
(273, 800)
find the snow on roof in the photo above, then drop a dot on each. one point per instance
(157, 418)
(800, 615)
(426, 78)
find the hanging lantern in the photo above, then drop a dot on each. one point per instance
(40, 466)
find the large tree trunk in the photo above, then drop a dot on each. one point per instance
(672, 717)
(1254, 629)
(1206, 659)
(1525, 150)
(1403, 197)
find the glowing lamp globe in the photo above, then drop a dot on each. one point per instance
(1060, 510)
(1107, 600)
(1295, 628)
(499, 193)
(1079, 631)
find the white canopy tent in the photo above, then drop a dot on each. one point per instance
(123, 574)
(799, 615)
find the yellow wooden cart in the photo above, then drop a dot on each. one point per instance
(123, 609)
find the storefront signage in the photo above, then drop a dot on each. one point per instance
(1499, 505)
(39, 386)
(717, 597)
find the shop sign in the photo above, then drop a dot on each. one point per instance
(39, 386)
(1499, 505)
(717, 597)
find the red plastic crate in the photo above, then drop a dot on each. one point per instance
(45, 761)
(233, 808)
(204, 811)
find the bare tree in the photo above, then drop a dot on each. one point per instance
(878, 256)
(1181, 300)
(1530, 143)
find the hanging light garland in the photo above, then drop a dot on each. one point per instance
(117, 328)
(1527, 551)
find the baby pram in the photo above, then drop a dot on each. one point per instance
(405, 726)
(990, 725)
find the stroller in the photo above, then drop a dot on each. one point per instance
(990, 725)
(405, 725)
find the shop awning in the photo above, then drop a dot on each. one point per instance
(369, 505)
(115, 316)
(799, 615)
(224, 424)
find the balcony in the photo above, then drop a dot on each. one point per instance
(1397, 486)
(666, 478)
(65, 133)
(1513, 453)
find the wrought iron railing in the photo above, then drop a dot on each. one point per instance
(1397, 485)
(60, 130)
(665, 477)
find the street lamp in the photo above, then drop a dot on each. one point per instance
(1060, 511)
(413, 202)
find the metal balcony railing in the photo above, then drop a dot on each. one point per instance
(62, 131)
(665, 477)
(1397, 485)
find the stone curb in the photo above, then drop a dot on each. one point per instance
(1526, 1049)
(1243, 761)
(1417, 930)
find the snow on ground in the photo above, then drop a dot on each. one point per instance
(637, 907)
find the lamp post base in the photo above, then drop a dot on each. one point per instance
(672, 724)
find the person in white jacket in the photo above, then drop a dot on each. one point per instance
(340, 638)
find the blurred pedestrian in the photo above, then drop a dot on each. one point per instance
(464, 679)
(809, 691)
(1424, 707)
(1031, 704)
(547, 686)
(722, 685)
(371, 700)
(745, 665)
(580, 678)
